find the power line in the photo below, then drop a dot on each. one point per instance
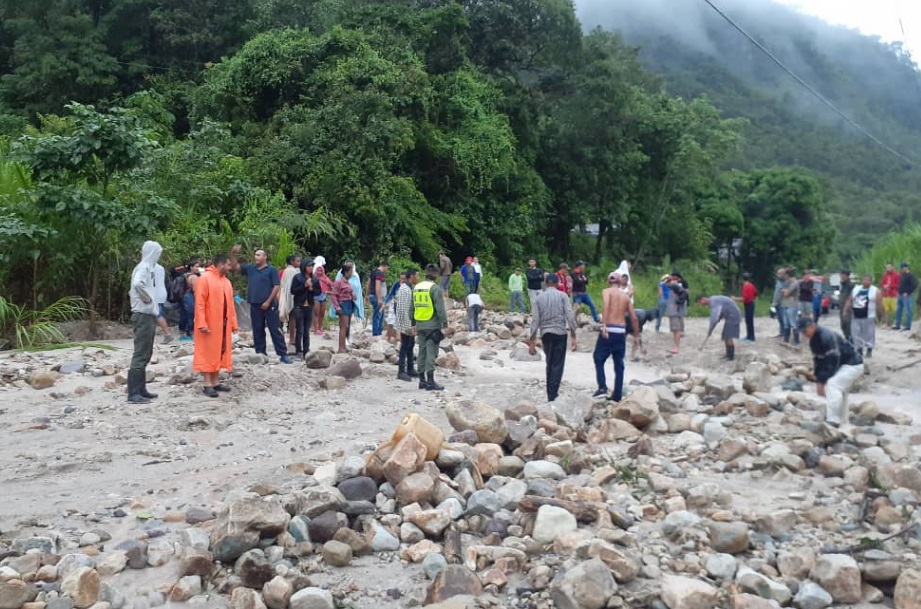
(809, 88)
(906, 48)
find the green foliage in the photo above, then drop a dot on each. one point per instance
(27, 328)
(895, 248)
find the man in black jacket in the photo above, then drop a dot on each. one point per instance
(838, 365)
(908, 285)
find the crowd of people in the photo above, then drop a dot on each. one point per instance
(413, 314)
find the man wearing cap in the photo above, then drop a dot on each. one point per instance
(723, 308)
(908, 284)
(837, 364)
(847, 288)
(580, 295)
(551, 316)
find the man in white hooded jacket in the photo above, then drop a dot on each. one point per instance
(144, 310)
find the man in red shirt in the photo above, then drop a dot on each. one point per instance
(565, 284)
(749, 296)
(890, 286)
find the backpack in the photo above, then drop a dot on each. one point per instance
(176, 289)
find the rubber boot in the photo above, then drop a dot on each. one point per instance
(134, 388)
(402, 376)
(786, 336)
(143, 381)
(730, 353)
(423, 384)
(432, 385)
(869, 352)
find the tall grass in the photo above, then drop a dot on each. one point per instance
(29, 328)
(894, 248)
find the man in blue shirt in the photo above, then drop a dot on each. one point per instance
(263, 286)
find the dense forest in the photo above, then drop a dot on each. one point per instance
(370, 128)
(874, 83)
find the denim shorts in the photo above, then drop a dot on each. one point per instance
(347, 307)
(320, 298)
(159, 310)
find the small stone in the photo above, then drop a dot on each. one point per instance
(482, 503)
(185, 588)
(812, 596)
(318, 360)
(383, 540)
(839, 575)
(543, 469)
(196, 563)
(553, 522)
(722, 566)
(197, 515)
(486, 421)
(135, 551)
(757, 583)
(337, 554)
(254, 569)
(433, 564)
(299, 529)
(240, 598)
(431, 522)
(729, 537)
(14, 593)
(277, 593)
(908, 590)
(323, 528)
(360, 488)
(312, 598)
(588, 585)
(419, 550)
(686, 593)
(415, 488)
(407, 458)
(82, 585)
(349, 369)
(453, 580)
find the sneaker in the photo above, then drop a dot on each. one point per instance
(402, 376)
(185, 338)
(221, 387)
(211, 392)
(138, 399)
(284, 359)
(167, 339)
(896, 328)
(601, 391)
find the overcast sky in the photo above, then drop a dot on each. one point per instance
(875, 17)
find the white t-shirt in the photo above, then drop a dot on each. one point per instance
(159, 291)
(864, 298)
(474, 300)
(477, 268)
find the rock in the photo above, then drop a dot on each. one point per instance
(318, 360)
(299, 528)
(159, 551)
(311, 502)
(623, 567)
(349, 369)
(185, 588)
(777, 523)
(570, 413)
(839, 575)
(431, 522)
(415, 488)
(254, 569)
(360, 488)
(832, 467)
(722, 566)
(453, 580)
(543, 469)
(197, 515)
(523, 354)
(24, 544)
(796, 564)
(354, 540)
(553, 522)
(899, 475)
(82, 585)
(71, 562)
(482, 503)
(196, 563)
(277, 593)
(486, 421)
(713, 432)
(406, 459)
(333, 383)
(244, 518)
(383, 540)
(419, 550)
(757, 378)
(511, 493)
(908, 590)
(43, 379)
(433, 564)
(686, 593)
(812, 596)
(679, 522)
(15, 592)
(588, 585)
(337, 554)
(135, 551)
(312, 598)
(729, 537)
(323, 528)
(640, 408)
(242, 598)
(881, 571)
(511, 466)
(763, 586)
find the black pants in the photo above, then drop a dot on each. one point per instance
(750, 320)
(268, 318)
(303, 318)
(407, 342)
(555, 350)
(614, 346)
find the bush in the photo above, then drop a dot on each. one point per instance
(894, 249)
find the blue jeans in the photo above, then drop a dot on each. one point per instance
(516, 301)
(473, 318)
(377, 319)
(585, 299)
(782, 319)
(791, 314)
(615, 345)
(268, 318)
(187, 314)
(662, 305)
(904, 305)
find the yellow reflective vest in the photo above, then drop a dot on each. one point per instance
(423, 307)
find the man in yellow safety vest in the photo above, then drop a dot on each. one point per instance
(430, 319)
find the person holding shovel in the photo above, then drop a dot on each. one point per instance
(723, 308)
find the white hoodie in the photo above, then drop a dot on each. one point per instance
(143, 278)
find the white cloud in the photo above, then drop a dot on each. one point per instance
(873, 17)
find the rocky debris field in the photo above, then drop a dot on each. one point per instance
(710, 485)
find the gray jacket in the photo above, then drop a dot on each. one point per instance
(142, 280)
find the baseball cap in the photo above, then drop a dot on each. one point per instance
(552, 278)
(904, 265)
(613, 275)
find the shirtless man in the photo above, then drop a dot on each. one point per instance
(612, 342)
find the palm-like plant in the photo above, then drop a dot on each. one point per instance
(27, 328)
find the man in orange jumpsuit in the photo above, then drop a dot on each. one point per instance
(215, 322)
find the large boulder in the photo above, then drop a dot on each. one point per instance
(589, 585)
(486, 421)
(244, 520)
(640, 408)
(839, 575)
(318, 360)
(899, 475)
(757, 378)
(453, 580)
(908, 590)
(687, 593)
(349, 369)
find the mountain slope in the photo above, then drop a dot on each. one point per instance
(874, 83)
